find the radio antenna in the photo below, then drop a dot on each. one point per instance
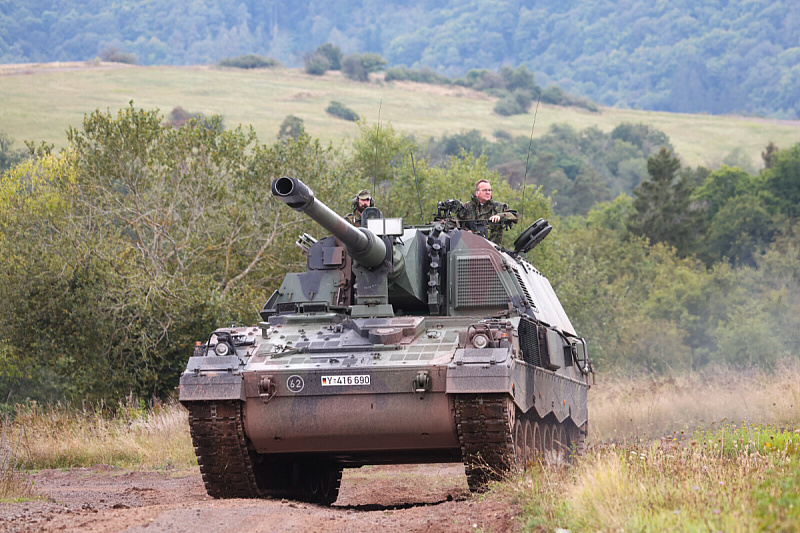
(525, 179)
(416, 181)
(377, 140)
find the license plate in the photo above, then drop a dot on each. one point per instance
(333, 381)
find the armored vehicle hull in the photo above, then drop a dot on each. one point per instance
(445, 348)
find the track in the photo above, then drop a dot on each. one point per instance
(495, 438)
(231, 470)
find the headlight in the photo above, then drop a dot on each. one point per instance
(222, 349)
(480, 341)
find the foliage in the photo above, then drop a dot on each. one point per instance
(139, 238)
(115, 55)
(423, 75)
(145, 236)
(248, 61)
(662, 203)
(781, 180)
(332, 53)
(316, 64)
(8, 155)
(291, 127)
(701, 483)
(339, 110)
(179, 117)
(358, 67)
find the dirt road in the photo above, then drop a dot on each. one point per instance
(431, 498)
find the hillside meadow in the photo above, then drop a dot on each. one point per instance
(40, 101)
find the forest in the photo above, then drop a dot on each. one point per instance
(713, 57)
(126, 247)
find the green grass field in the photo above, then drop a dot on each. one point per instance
(39, 102)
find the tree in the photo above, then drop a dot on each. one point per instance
(358, 67)
(770, 154)
(291, 128)
(332, 53)
(722, 185)
(316, 64)
(664, 212)
(8, 155)
(782, 180)
(137, 241)
(740, 228)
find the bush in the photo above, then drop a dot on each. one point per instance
(424, 75)
(339, 110)
(358, 67)
(115, 55)
(9, 156)
(317, 64)
(557, 96)
(331, 53)
(509, 105)
(481, 80)
(291, 128)
(249, 61)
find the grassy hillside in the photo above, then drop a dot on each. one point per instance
(41, 101)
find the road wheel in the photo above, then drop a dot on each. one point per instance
(538, 443)
(547, 443)
(519, 445)
(528, 445)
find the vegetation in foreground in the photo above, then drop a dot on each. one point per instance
(717, 451)
(733, 478)
(722, 469)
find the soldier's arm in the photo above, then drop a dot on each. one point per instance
(507, 214)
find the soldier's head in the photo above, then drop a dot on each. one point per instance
(483, 191)
(363, 200)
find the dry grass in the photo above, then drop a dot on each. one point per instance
(651, 468)
(623, 408)
(62, 437)
(13, 485)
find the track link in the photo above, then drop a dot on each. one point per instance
(231, 470)
(485, 432)
(221, 447)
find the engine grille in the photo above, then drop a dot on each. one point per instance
(477, 284)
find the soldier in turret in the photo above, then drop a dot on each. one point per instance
(481, 212)
(361, 201)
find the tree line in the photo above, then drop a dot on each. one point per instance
(683, 56)
(136, 240)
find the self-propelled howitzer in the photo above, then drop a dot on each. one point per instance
(397, 345)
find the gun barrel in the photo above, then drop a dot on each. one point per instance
(362, 245)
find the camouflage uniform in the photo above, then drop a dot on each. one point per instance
(474, 211)
(355, 217)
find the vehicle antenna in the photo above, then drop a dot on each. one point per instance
(419, 196)
(525, 179)
(377, 140)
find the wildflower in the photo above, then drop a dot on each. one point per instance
(696, 487)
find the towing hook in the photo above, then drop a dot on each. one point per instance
(421, 384)
(267, 388)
